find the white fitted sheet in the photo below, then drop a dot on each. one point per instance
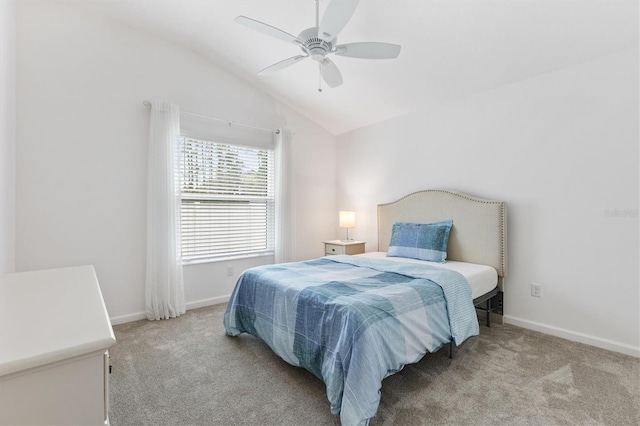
(481, 278)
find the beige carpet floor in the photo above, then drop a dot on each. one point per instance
(186, 371)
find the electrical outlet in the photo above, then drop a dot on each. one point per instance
(229, 271)
(536, 290)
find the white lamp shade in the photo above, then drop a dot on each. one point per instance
(347, 219)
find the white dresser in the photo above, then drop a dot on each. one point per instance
(54, 337)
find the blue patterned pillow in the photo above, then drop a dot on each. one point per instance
(424, 241)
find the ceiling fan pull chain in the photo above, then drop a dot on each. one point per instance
(319, 77)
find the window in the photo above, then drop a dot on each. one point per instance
(227, 201)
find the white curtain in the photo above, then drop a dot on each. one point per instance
(285, 214)
(165, 287)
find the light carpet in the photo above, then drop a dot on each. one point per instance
(186, 371)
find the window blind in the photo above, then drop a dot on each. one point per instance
(227, 199)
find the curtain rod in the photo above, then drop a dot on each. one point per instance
(230, 123)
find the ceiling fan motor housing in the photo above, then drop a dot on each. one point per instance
(315, 46)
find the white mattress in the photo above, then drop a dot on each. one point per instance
(482, 278)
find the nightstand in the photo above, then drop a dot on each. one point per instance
(343, 247)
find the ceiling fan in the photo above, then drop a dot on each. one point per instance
(320, 41)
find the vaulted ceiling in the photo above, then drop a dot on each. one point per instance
(450, 48)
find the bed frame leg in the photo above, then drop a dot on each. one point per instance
(489, 313)
(451, 349)
(493, 302)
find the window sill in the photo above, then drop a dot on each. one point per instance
(226, 258)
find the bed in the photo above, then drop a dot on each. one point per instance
(354, 320)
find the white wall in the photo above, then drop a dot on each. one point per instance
(81, 149)
(7, 134)
(561, 149)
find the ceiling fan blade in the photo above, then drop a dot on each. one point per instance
(335, 17)
(281, 65)
(267, 29)
(330, 73)
(369, 50)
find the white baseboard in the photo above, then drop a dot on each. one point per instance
(208, 302)
(190, 305)
(128, 318)
(574, 336)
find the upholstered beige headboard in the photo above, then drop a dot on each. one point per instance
(479, 232)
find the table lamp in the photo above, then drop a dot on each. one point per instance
(347, 220)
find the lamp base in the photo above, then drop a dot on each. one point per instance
(348, 239)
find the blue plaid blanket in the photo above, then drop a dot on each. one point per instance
(352, 321)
